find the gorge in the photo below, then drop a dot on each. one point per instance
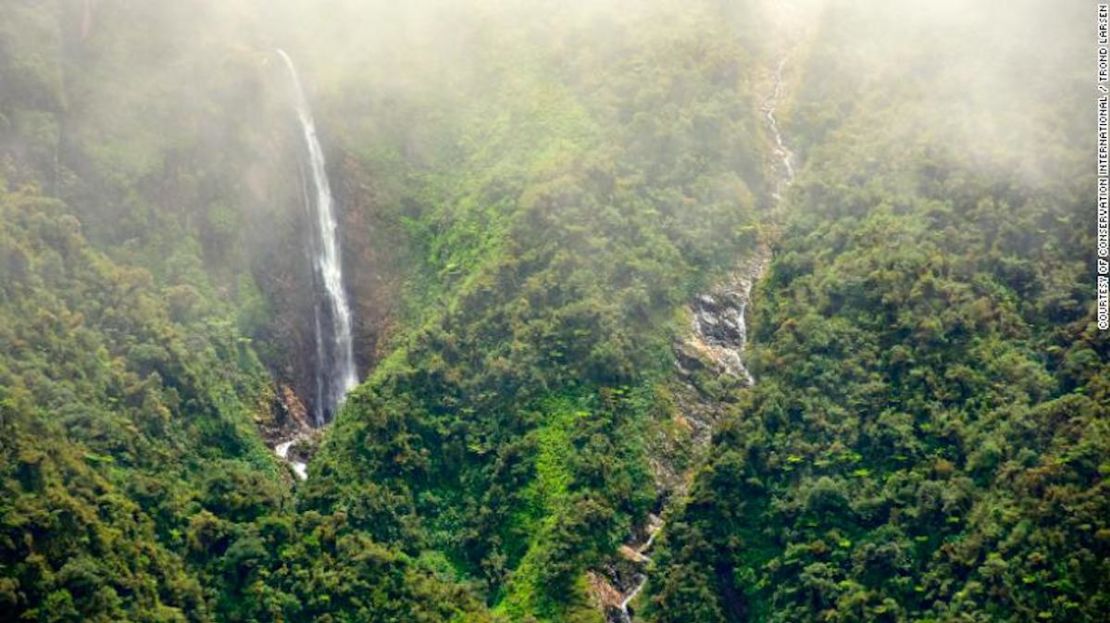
(519, 311)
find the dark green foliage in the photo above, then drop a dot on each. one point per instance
(928, 439)
(108, 408)
(134, 484)
(529, 194)
(507, 431)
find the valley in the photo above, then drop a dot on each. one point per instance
(500, 311)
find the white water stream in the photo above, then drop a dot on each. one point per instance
(781, 150)
(335, 367)
(299, 467)
(335, 363)
(719, 321)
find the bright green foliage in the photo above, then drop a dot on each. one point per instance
(530, 192)
(596, 189)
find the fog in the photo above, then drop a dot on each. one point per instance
(978, 65)
(513, 286)
(159, 117)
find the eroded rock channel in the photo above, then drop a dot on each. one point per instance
(714, 348)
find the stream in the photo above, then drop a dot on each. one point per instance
(781, 150)
(335, 363)
(300, 468)
(719, 335)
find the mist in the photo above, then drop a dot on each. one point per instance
(583, 311)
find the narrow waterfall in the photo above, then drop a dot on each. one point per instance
(719, 334)
(335, 365)
(786, 158)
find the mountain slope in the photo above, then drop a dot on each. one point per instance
(928, 437)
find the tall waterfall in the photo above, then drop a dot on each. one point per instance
(335, 365)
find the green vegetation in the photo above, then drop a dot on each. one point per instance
(928, 439)
(531, 194)
(508, 430)
(134, 483)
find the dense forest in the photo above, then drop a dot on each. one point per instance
(928, 438)
(666, 311)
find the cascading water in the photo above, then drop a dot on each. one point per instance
(299, 467)
(786, 158)
(335, 365)
(720, 335)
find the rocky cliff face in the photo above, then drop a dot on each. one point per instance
(719, 330)
(374, 275)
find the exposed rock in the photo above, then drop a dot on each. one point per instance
(605, 596)
(295, 410)
(628, 553)
(714, 349)
(719, 328)
(615, 586)
(289, 431)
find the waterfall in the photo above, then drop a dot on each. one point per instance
(335, 362)
(719, 333)
(786, 158)
(299, 467)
